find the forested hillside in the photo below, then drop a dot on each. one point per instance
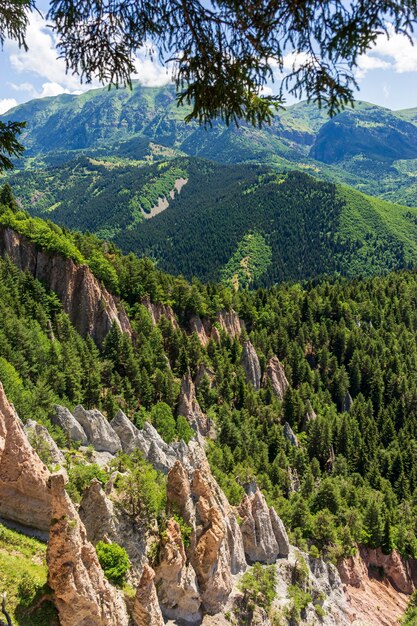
(309, 228)
(345, 474)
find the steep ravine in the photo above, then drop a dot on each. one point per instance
(194, 583)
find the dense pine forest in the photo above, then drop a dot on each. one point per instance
(349, 351)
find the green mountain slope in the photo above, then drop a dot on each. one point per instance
(308, 227)
(369, 147)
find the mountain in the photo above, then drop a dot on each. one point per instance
(240, 454)
(368, 147)
(195, 216)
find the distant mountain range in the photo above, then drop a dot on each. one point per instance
(225, 203)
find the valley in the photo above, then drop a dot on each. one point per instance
(208, 366)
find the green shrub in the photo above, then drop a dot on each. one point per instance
(258, 586)
(80, 476)
(114, 561)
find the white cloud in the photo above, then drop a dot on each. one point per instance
(294, 60)
(368, 62)
(151, 73)
(6, 104)
(395, 52)
(42, 60)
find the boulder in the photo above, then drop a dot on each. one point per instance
(63, 418)
(82, 594)
(347, 403)
(24, 492)
(250, 363)
(98, 430)
(275, 374)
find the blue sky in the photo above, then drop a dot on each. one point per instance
(387, 75)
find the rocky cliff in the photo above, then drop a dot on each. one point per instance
(83, 596)
(24, 491)
(90, 307)
(196, 576)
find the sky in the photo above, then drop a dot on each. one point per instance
(387, 75)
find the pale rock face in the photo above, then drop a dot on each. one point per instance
(347, 403)
(98, 430)
(215, 335)
(104, 521)
(396, 569)
(190, 409)
(82, 594)
(280, 533)
(91, 308)
(203, 370)
(251, 365)
(275, 373)
(264, 535)
(24, 493)
(230, 323)
(157, 311)
(38, 435)
(126, 431)
(289, 435)
(197, 326)
(146, 609)
(324, 585)
(216, 545)
(176, 580)
(63, 418)
(372, 600)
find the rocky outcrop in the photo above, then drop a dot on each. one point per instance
(322, 582)
(105, 521)
(396, 569)
(90, 307)
(176, 580)
(264, 535)
(216, 546)
(250, 363)
(347, 403)
(65, 420)
(82, 594)
(202, 331)
(146, 610)
(159, 310)
(98, 430)
(231, 323)
(372, 598)
(41, 441)
(127, 432)
(275, 374)
(24, 492)
(289, 435)
(204, 371)
(188, 407)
